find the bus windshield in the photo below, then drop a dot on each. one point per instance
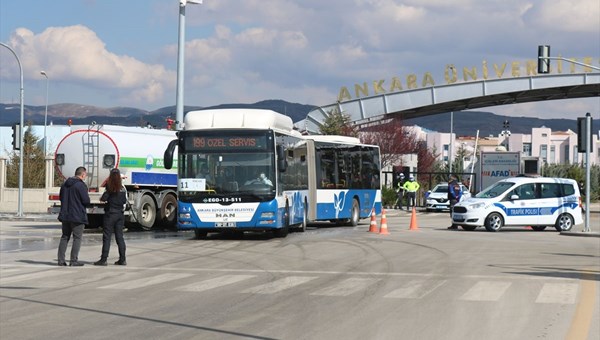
(210, 171)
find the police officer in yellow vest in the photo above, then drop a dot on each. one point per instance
(411, 186)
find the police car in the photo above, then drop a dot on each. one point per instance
(522, 201)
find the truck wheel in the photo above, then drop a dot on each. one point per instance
(168, 211)
(493, 222)
(146, 216)
(564, 222)
(95, 221)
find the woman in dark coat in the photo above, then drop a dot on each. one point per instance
(115, 197)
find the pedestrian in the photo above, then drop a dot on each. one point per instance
(454, 195)
(400, 191)
(74, 198)
(115, 197)
(411, 187)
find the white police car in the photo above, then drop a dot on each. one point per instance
(522, 201)
(437, 198)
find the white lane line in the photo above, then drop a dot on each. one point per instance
(31, 276)
(346, 287)
(279, 285)
(563, 293)
(214, 283)
(486, 291)
(415, 289)
(146, 281)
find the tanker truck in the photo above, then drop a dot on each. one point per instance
(137, 152)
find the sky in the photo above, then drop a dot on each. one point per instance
(112, 53)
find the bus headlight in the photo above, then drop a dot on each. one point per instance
(268, 214)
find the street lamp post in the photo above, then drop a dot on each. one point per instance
(21, 151)
(181, 61)
(46, 113)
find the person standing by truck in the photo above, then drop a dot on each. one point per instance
(74, 198)
(115, 197)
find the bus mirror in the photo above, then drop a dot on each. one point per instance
(168, 157)
(281, 159)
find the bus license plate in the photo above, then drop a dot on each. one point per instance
(225, 224)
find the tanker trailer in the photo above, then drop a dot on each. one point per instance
(137, 152)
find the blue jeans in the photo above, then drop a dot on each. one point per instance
(68, 229)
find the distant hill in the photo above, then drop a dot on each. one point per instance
(466, 123)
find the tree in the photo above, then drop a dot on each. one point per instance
(394, 140)
(338, 123)
(34, 167)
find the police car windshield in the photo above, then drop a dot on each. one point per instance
(495, 190)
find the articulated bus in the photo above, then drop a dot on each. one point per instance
(249, 170)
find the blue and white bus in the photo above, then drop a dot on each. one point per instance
(248, 169)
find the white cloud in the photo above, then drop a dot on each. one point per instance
(76, 54)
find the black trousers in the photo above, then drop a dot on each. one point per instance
(113, 223)
(452, 204)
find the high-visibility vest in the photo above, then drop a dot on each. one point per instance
(411, 186)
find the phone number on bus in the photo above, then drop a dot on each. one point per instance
(222, 200)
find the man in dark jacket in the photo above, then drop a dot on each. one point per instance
(454, 194)
(74, 198)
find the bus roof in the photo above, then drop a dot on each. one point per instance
(334, 139)
(238, 119)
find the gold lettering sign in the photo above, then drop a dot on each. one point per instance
(451, 76)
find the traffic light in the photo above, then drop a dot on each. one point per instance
(584, 142)
(543, 59)
(16, 137)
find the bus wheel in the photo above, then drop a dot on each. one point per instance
(146, 216)
(302, 227)
(493, 222)
(168, 211)
(564, 222)
(354, 213)
(200, 234)
(286, 224)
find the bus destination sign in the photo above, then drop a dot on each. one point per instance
(223, 143)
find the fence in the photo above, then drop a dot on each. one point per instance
(35, 200)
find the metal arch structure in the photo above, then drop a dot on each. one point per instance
(459, 96)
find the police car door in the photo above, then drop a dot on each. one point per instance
(520, 205)
(550, 203)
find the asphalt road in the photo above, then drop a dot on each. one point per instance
(326, 283)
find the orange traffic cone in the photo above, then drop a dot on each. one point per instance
(384, 229)
(413, 220)
(373, 226)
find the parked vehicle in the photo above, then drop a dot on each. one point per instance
(437, 198)
(137, 152)
(538, 202)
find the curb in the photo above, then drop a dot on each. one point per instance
(580, 234)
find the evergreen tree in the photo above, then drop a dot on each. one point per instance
(34, 168)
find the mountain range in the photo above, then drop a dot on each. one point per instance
(466, 123)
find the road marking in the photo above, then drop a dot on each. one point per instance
(214, 283)
(486, 291)
(146, 281)
(279, 285)
(31, 276)
(346, 287)
(584, 311)
(415, 289)
(563, 293)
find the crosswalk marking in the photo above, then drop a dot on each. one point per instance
(279, 285)
(346, 287)
(30, 276)
(415, 289)
(214, 283)
(563, 293)
(486, 291)
(146, 281)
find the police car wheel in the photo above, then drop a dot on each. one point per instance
(493, 222)
(564, 222)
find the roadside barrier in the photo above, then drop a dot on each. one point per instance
(384, 227)
(373, 226)
(413, 220)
